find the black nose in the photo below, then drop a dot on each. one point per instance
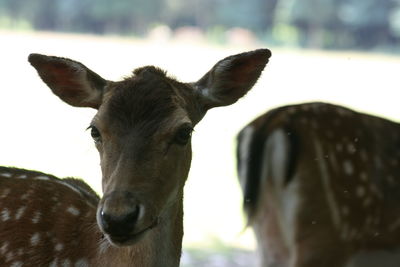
(119, 225)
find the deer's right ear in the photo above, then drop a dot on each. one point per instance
(231, 78)
(71, 81)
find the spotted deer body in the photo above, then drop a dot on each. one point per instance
(142, 130)
(30, 225)
(321, 186)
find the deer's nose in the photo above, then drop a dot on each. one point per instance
(119, 225)
(120, 214)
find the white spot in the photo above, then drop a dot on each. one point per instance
(35, 238)
(4, 248)
(81, 263)
(59, 247)
(42, 177)
(27, 194)
(22, 176)
(9, 256)
(5, 192)
(74, 211)
(360, 191)
(20, 212)
(36, 217)
(54, 263)
(348, 167)
(351, 149)
(16, 264)
(6, 174)
(66, 263)
(5, 214)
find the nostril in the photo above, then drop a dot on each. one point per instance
(105, 219)
(132, 217)
(119, 224)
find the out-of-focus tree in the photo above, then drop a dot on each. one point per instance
(189, 13)
(341, 23)
(367, 21)
(256, 15)
(13, 8)
(126, 16)
(310, 23)
(313, 18)
(44, 16)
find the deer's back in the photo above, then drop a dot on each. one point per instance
(344, 166)
(42, 219)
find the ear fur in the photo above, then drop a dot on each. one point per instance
(70, 80)
(231, 78)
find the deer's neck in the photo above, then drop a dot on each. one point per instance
(161, 247)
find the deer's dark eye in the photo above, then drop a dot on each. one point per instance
(94, 132)
(183, 135)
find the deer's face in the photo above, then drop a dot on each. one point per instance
(142, 131)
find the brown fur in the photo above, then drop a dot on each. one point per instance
(342, 167)
(142, 132)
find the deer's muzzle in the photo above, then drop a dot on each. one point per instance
(123, 218)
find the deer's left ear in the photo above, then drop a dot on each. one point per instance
(231, 78)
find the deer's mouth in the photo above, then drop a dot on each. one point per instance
(131, 238)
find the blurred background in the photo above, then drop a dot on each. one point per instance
(339, 51)
(331, 24)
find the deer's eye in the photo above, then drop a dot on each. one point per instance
(94, 132)
(183, 135)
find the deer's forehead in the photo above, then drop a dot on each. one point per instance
(148, 102)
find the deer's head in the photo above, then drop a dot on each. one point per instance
(142, 130)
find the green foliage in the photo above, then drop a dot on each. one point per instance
(309, 23)
(285, 34)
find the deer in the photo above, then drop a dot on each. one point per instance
(142, 130)
(321, 186)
